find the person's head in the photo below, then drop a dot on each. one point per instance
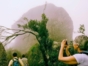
(14, 54)
(23, 55)
(81, 42)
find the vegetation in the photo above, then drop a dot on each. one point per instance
(41, 54)
(48, 55)
(81, 29)
(35, 57)
(10, 52)
(45, 43)
(3, 58)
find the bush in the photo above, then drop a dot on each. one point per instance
(35, 56)
(3, 58)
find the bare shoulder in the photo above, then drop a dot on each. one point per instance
(11, 60)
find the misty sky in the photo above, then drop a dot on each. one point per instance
(12, 10)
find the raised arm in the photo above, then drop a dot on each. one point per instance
(67, 51)
(68, 59)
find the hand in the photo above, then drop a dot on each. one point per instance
(63, 43)
(67, 47)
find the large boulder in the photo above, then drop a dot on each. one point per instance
(60, 25)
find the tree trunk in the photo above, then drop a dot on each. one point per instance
(42, 49)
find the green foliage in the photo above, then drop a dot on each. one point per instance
(82, 29)
(3, 58)
(40, 28)
(9, 54)
(35, 57)
(71, 48)
(42, 54)
(33, 24)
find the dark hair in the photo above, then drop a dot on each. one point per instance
(82, 40)
(14, 54)
(23, 55)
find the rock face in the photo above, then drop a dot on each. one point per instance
(60, 25)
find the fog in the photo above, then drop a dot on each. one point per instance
(12, 10)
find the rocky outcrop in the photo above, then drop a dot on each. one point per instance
(60, 25)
